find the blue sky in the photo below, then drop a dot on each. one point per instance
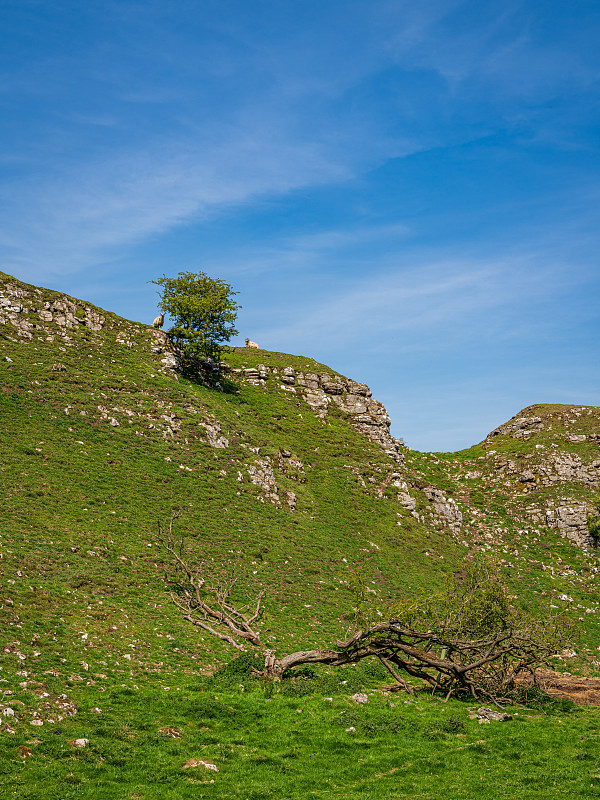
(409, 192)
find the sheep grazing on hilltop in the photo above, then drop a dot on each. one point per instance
(251, 344)
(158, 322)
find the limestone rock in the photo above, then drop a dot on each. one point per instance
(289, 376)
(213, 434)
(570, 467)
(93, 320)
(408, 502)
(263, 372)
(571, 521)
(290, 499)
(332, 387)
(518, 427)
(527, 477)
(312, 380)
(171, 362)
(488, 715)
(261, 474)
(359, 388)
(198, 762)
(318, 401)
(351, 404)
(445, 507)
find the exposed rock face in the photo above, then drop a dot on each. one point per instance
(571, 521)
(406, 501)
(261, 474)
(32, 317)
(569, 467)
(321, 391)
(289, 376)
(290, 499)
(318, 401)
(213, 435)
(171, 359)
(518, 427)
(445, 507)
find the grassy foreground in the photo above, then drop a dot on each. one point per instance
(302, 738)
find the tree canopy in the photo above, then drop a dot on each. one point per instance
(203, 312)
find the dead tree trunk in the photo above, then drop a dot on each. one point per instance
(441, 647)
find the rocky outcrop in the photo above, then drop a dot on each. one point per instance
(445, 507)
(571, 521)
(214, 436)
(261, 474)
(404, 497)
(326, 391)
(570, 467)
(31, 316)
(518, 427)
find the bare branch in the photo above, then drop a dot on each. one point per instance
(483, 641)
(204, 606)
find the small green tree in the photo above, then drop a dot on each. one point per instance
(594, 522)
(203, 312)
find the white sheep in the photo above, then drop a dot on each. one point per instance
(158, 322)
(251, 344)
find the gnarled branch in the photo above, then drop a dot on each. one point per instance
(207, 606)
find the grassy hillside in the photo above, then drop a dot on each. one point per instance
(285, 473)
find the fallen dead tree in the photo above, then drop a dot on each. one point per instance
(468, 639)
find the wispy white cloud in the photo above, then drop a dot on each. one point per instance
(400, 307)
(284, 118)
(86, 212)
(483, 45)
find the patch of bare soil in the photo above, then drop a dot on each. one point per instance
(581, 690)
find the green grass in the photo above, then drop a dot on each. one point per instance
(84, 609)
(295, 744)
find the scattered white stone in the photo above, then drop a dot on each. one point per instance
(197, 762)
(360, 698)
(80, 742)
(487, 715)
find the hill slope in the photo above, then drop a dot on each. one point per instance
(290, 473)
